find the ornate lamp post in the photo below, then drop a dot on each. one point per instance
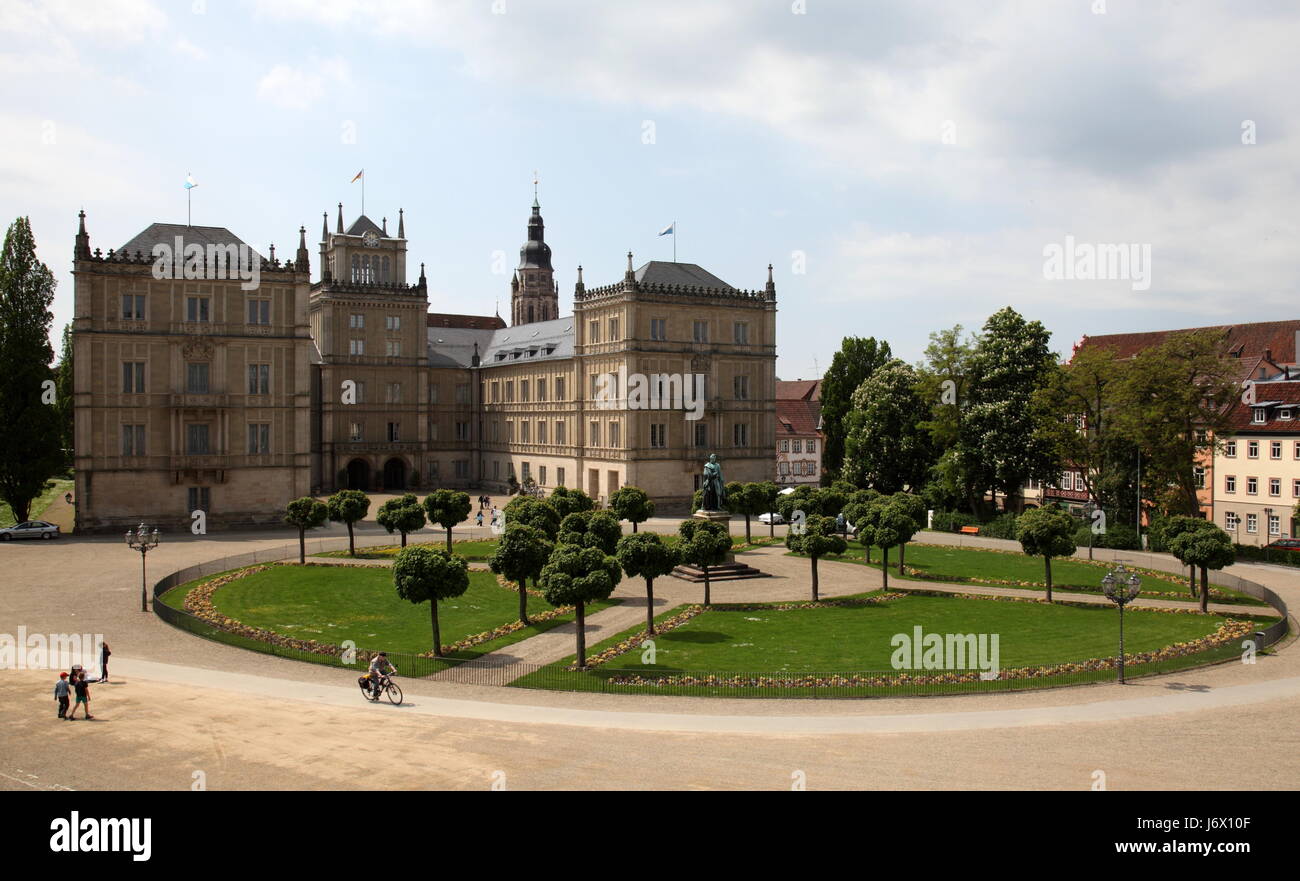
(143, 541)
(1121, 587)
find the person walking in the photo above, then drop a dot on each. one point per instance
(103, 661)
(61, 691)
(478, 520)
(82, 689)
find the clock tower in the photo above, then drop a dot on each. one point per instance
(533, 294)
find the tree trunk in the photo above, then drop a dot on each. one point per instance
(1047, 563)
(706, 584)
(523, 600)
(634, 526)
(814, 578)
(771, 525)
(582, 636)
(352, 548)
(1205, 590)
(650, 606)
(403, 539)
(449, 539)
(747, 539)
(437, 632)
(884, 569)
(901, 549)
(302, 545)
(866, 548)
(1191, 580)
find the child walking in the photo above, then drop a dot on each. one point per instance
(83, 697)
(61, 695)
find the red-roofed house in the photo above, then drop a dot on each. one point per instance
(798, 432)
(1257, 483)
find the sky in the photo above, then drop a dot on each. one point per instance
(905, 167)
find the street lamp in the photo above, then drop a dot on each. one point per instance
(143, 541)
(1121, 587)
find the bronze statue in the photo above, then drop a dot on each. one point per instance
(715, 490)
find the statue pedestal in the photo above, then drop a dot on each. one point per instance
(715, 516)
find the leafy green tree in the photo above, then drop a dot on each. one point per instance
(347, 506)
(1173, 401)
(65, 391)
(856, 360)
(30, 428)
(1007, 428)
(447, 508)
(942, 381)
(1047, 533)
(632, 504)
(305, 513)
(646, 555)
(424, 575)
(887, 524)
(576, 576)
(401, 514)
(857, 510)
(567, 501)
(521, 553)
(770, 492)
(1200, 543)
(888, 446)
(747, 500)
(830, 500)
(804, 498)
(535, 513)
(818, 539)
(703, 544)
(591, 529)
(912, 521)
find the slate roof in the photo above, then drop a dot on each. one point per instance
(799, 390)
(454, 346)
(476, 322)
(539, 341)
(363, 225)
(797, 418)
(661, 272)
(166, 233)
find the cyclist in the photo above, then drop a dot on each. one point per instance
(379, 666)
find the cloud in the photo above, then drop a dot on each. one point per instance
(300, 88)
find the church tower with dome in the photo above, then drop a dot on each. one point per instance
(533, 292)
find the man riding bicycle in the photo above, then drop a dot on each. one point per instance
(379, 667)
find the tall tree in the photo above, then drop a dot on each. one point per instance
(704, 543)
(1175, 402)
(888, 447)
(856, 360)
(769, 493)
(747, 500)
(347, 506)
(521, 553)
(646, 555)
(912, 516)
(575, 576)
(447, 508)
(305, 513)
(632, 504)
(31, 433)
(1007, 432)
(942, 382)
(64, 390)
(1047, 533)
(817, 539)
(424, 575)
(401, 514)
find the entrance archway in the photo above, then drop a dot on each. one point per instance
(359, 475)
(394, 474)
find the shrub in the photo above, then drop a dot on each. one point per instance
(1120, 537)
(1003, 526)
(951, 521)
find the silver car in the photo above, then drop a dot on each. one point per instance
(29, 529)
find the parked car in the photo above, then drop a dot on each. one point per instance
(30, 529)
(771, 518)
(1285, 544)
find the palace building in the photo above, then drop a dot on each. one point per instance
(211, 388)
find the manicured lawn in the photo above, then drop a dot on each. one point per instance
(474, 550)
(332, 604)
(976, 565)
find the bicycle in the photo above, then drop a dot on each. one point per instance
(386, 686)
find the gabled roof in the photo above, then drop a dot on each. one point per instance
(1245, 341)
(1272, 397)
(166, 233)
(476, 322)
(799, 390)
(797, 418)
(363, 225)
(661, 272)
(499, 345)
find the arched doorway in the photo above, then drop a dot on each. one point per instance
(359, 475)
(394, 474)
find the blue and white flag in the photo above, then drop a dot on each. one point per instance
(189, 181)
(670, 229)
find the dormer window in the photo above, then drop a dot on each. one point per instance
(1260, 415)
(1284, 414)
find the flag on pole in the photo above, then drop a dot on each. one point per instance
(670, 229)
(359, 173)
(189, 181)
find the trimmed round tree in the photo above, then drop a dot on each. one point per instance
(749, 500)
(520, 555)
(804, 498)
(1047, 533)
(567, 501)
(857, 510)
(424, 575)
(575, 576)
(646, 555)
(912, 507)
(535, 513)
(402, 514)
(1208, 547)
(818, 539)
(591, 529)
(704, 543)
(632, 504)
(886, 525)
(447, 508)
(770, 493)
(348, 506)
(305, 513)
(1173, 528)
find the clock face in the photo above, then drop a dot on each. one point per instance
(371, 238)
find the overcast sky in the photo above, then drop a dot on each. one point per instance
(902, 165)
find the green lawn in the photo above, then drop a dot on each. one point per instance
(475, 550)
(58, 487)
(957, 564)
(332, 604)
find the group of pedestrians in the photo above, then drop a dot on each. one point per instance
(75, 684)
(485, 504)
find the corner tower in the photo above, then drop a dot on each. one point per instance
(533, 294)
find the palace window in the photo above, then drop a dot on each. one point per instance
(199, 498)
(741, 388)
(356, 347)
(742, 333)
(701, 434)
(559, 394)
(392, 322)
(658, 435)
(133, 307)
(393, 348)
(132, 377)
(393, 393)
(541, 390)
(614, 434)
(700, 331)
(196, 377)
(593, 435)
(593, 334)
(541, 475)
(462, 393)
(523, 390)
(259, 438)
(613, 329)
(259, 311)
(259, 379)
(541, 431)
(394, 432)
(560, 432)
(355, 432)
(658, 329)
(357, 321)
(559, 477)
(462, 431)
(133, 440)
(198, 309)
(433, 393)
(740, 435)
(196, 439)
